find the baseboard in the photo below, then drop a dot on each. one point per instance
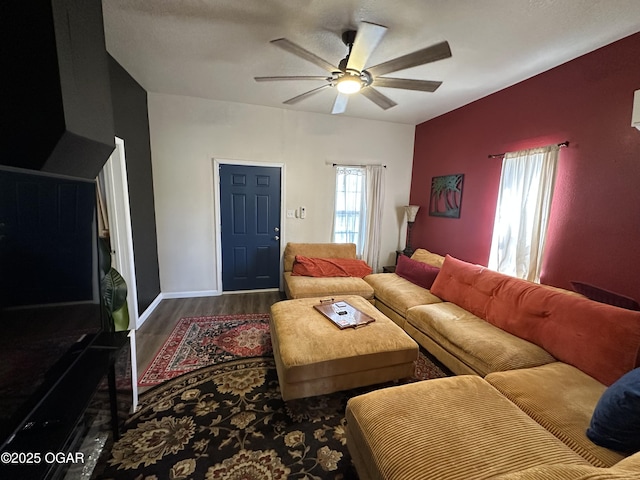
(149, 310)
(199, 293)
(262, 290)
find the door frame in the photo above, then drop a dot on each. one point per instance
(117, 198)
(218, 219)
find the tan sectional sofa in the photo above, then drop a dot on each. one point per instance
(539, 359)
(309, 287)
(395, 295)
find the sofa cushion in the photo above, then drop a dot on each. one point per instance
(601, 340)
(456, 428)
(626, 469)
(422, 274)
(425, 256)
(306, 287)
(570, 472)
(317, 250)
(616, 419)
(398, 293)
(480, 345)
(330, 267)
(561, 398)
(631, 462)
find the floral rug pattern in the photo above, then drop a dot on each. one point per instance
(229, 421)
(201, 341)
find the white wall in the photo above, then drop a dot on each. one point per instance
(188, 133)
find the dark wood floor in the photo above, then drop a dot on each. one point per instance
(156, 329)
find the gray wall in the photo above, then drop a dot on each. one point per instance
(132, 125)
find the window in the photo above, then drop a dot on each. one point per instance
(359, 207)
(349, 222)
(522, 213)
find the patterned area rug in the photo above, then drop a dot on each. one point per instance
(201, 341)
(229, 421)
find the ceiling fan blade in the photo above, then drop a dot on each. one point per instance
(293, 100)
(367, 39)
(379, 99)
(340, 104)
(426, 55)
(302, 53)
(275, 79)
(405, 83)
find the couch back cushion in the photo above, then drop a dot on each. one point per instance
(425, 256)
(317, 250)
(601, 340)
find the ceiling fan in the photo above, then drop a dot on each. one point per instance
(350, 76)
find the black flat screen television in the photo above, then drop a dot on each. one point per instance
(50, 302)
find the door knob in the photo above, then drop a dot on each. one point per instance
(276, 229)
(276, 237)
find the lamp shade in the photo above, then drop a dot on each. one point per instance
(411, 211)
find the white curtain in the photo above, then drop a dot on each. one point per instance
(522, 213)
(375, 206)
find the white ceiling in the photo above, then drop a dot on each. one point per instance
(213, 48)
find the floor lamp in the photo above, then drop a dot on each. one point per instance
(411, 211)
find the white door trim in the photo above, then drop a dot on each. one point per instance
(117, 199)
(117, 196)
(216, 211)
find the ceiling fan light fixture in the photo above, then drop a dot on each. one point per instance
(352, 75)
(349, 83)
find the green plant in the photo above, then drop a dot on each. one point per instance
(114, 291)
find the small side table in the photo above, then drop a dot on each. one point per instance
(389, 269)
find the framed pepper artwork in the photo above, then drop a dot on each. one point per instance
(446, 196)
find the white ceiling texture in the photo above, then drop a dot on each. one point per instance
(213, 49)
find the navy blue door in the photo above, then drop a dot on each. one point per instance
(250, 217)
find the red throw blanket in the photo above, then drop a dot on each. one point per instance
(330, 267)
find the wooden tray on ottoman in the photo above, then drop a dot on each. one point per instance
(343, 314)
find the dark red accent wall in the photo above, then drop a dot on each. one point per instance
(594, 233)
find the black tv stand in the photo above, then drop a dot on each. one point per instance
(38, 426)
(57, 425)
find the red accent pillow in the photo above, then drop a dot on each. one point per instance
(330, 267)
(422, 274)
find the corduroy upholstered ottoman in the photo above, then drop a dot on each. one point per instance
(456, 428)
(314, 357)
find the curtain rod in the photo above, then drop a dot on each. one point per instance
(500, 155)
(359, 166)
